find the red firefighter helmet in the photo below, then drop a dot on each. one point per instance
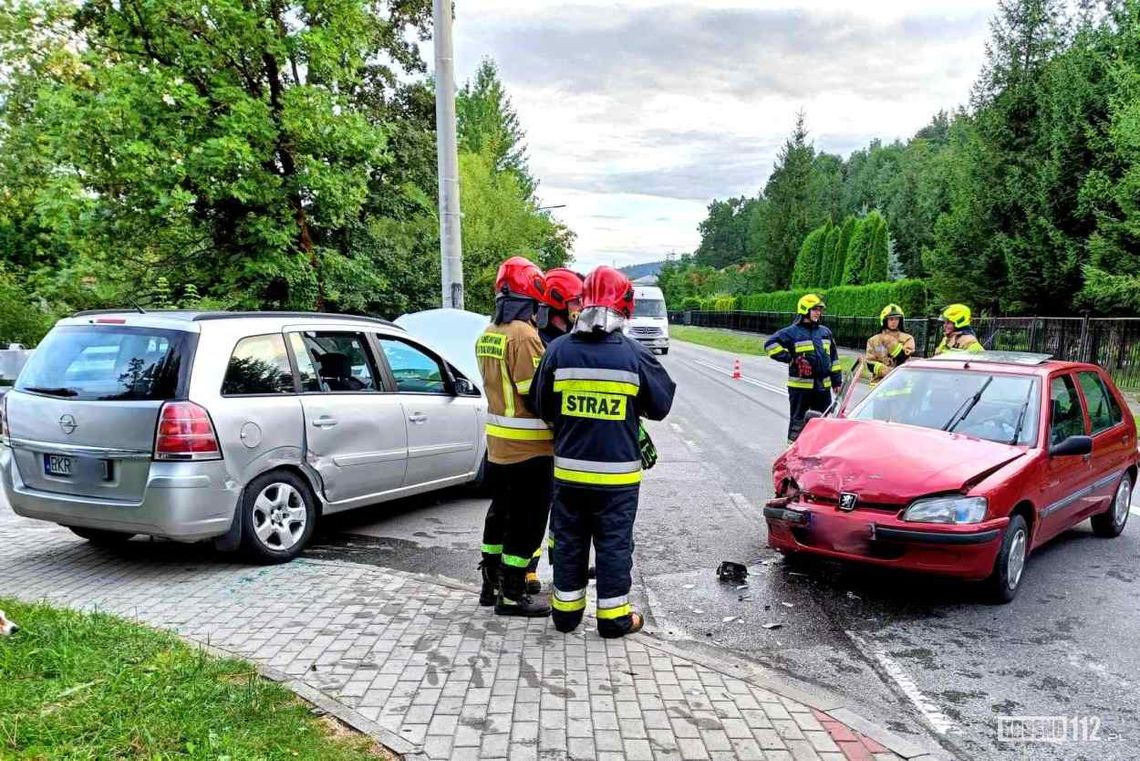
(519, 276)
(609, 288)
(563, 288)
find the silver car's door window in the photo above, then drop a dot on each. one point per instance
(355, 437)
(307, 377)
(443, 430)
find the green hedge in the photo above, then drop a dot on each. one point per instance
(720, 303)
(845, 300)
(691, 302)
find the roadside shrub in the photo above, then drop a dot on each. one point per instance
(847, 300)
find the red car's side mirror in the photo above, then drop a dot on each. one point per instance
(1072, 446)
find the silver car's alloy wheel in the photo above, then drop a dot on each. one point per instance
(1016, 563)
(279, 516)
(1123, 502)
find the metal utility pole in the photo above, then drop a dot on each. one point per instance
(450, 236)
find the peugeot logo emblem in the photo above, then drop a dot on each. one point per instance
(67, 424)
(847, 501)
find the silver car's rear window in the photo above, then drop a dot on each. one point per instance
(109, 363)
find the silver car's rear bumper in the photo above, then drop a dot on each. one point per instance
(185, 501)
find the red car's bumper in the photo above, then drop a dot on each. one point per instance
(864, 536)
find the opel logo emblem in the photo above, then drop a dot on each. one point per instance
(847, 501)
(67, 424)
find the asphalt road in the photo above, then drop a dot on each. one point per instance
(924, 656)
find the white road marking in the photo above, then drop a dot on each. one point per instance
(752, 381)
(930, 711)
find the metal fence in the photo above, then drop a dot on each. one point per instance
(1114, 344)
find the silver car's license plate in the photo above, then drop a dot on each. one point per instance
(58, 465)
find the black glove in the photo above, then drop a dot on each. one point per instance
(803, 367)
(648, 451)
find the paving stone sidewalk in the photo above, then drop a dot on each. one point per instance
(415, 662)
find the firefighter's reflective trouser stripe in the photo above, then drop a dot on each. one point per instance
(604, 517)
(518, 428)
(516, 519)
(802, 400)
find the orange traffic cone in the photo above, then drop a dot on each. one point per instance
(736, 369)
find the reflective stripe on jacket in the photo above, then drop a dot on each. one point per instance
(592, 387)
(508, 354)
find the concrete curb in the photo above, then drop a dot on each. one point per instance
(329, 705)
(737, 668)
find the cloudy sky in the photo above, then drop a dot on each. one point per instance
(638, 113)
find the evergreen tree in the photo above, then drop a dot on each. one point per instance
(792, 208)
(842, 247)
(488, 124)
(832, 260)
(878, 257)
(808, 263)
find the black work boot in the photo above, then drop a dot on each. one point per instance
(514, 600)
(491, 582)
(630, 624)
(567, 621)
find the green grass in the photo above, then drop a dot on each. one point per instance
(81, 686)
(729, 341)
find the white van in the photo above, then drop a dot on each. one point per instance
(650, 321)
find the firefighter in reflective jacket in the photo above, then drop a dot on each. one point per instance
(519, 444)
(808, 349)
(557, 313)
(956, 331)
(889, 348)
(593, 386)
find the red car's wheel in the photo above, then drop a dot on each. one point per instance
(1009, 568)
(1111, 522)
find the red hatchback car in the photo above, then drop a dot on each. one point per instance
(959, 465)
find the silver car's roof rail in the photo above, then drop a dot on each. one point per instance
(204, 316)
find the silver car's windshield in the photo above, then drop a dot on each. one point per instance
(1002, 408)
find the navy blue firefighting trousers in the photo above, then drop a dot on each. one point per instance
(605, 517)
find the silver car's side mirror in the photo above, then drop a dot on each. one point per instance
(464, 387)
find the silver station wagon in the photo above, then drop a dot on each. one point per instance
(243, 428)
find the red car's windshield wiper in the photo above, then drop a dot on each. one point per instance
(1021, 415)
(967, 407)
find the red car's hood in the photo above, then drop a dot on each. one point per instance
(888, 463)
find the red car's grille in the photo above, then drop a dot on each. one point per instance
(881, 507)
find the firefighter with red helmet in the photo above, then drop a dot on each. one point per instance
(593, 386)
(563, 302)
(519, 444)
(556, 316)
